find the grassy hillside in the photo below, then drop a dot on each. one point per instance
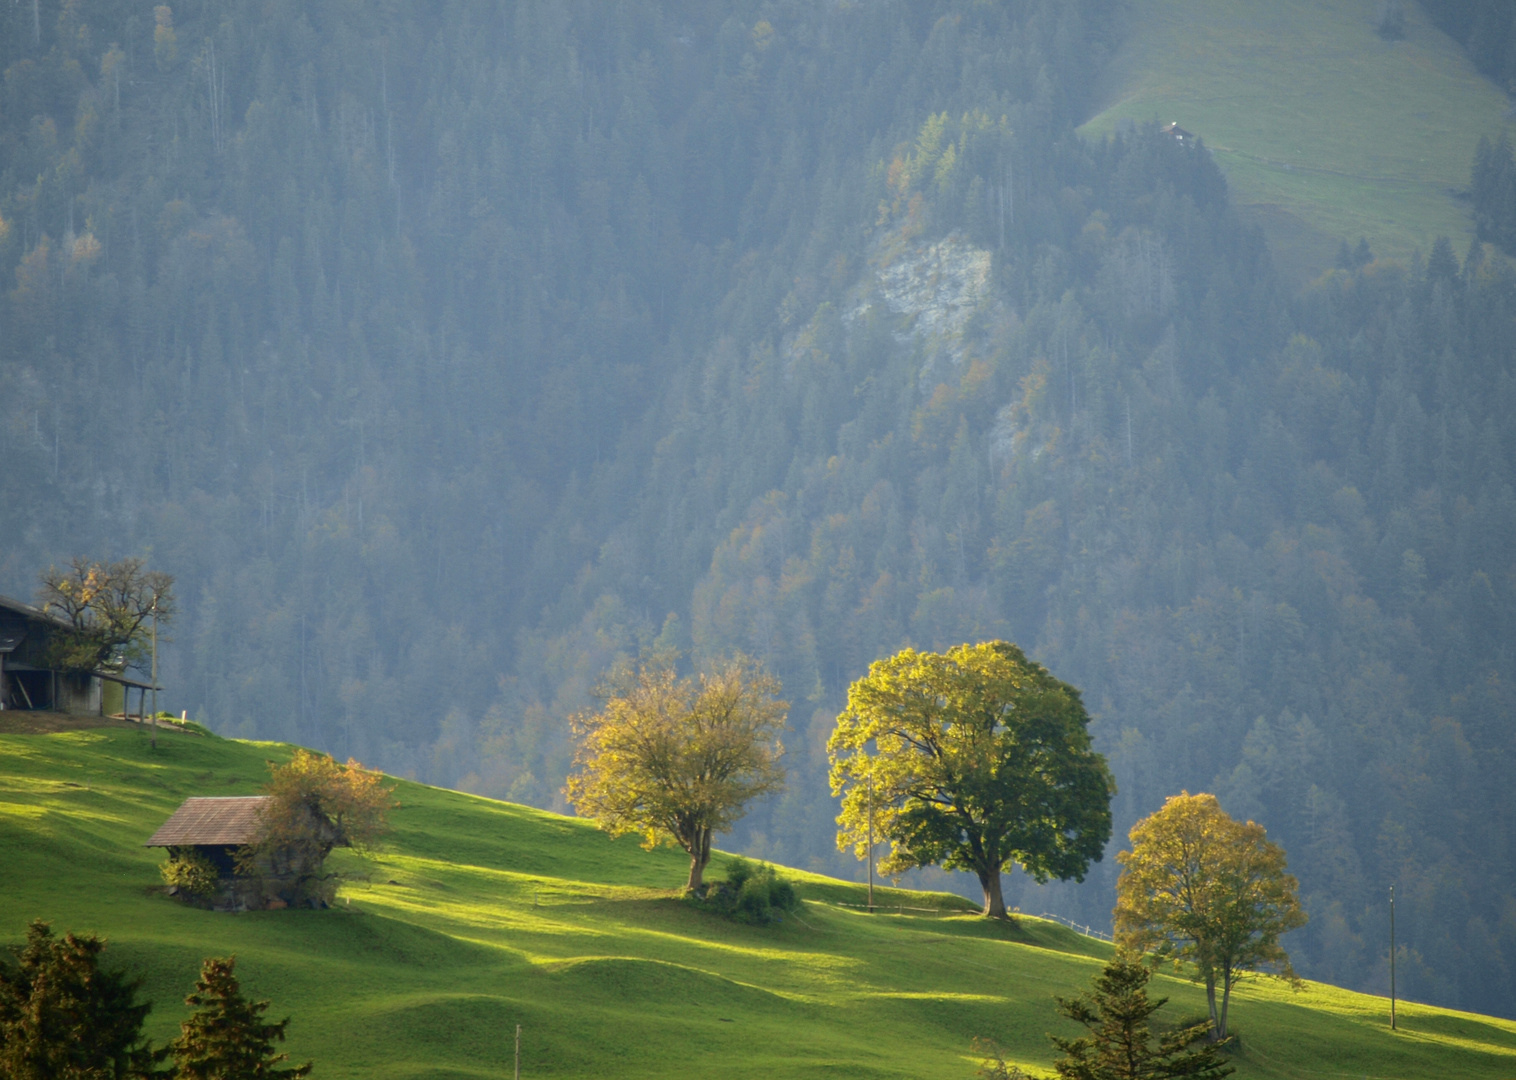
(483, 915)
(1325, 130)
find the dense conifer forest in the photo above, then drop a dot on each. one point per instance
(448, 352)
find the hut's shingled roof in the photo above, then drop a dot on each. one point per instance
(227, 820)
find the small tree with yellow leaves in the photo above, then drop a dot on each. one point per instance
(1202, 887)
(678, 760)
(110, 610)
(315, 805)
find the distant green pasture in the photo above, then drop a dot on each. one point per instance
(483, 915)
(1324, 130)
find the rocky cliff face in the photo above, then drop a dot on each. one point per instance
(935, 288)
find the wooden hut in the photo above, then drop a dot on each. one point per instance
(216, 830)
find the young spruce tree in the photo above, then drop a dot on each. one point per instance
(62, 1018)
(226, 1038)
(1120, 1045)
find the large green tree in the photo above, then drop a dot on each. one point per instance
(1202, 887)
(63, 1018)
(974, 759)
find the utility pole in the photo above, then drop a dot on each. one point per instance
(155, 674)
(518, 1052)
(1392, 958)
(871, 843)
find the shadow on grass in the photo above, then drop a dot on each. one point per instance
(658, 984)
(1458, 1027)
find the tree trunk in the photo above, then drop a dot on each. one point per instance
(1226, 999)
(994, 902)
(700, 854)
(1210, 998)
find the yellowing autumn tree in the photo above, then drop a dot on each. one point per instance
(678, 760)
(1202, 887)
(109, 609)
(314, 805)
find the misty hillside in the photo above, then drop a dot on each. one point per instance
(448, 352)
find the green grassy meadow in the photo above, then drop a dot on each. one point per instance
(1324, 130)
(482, 915)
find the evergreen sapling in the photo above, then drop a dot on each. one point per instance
(227, 1038)
(62, 1018)
(1120, 1043)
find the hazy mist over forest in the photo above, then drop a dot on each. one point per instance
(447, 353)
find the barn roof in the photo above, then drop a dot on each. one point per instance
(27, 611)
(226, 820)
(14, 619)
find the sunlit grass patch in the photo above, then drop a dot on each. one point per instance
(477, 916)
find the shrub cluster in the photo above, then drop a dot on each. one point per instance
(191, 875)
(752, 893)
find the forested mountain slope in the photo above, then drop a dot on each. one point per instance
(447, 352)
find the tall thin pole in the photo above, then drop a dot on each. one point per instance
(155, 674)
(518, 1052)
(1392, 958)
(871, 842)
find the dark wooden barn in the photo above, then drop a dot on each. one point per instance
(27, 681)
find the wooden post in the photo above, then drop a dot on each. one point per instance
(155, 674)
(518, 1052)
(1392, 958)
(871, 843)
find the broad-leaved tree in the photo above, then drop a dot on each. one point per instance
(1201, 887)
(110, 609)
(977, 759)
(679, 759)
(315, 805)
